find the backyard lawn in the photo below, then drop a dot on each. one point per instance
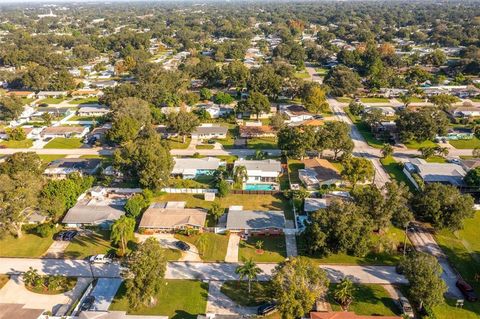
(262, 143)
(177, 299)
(238, 292)
(466, 144)
(368, 300)
(177, 142)
(395, 170)
(17, 144)
(88, 245)
(250, 201)
(29, 245)
(64, 143)
(273, 249)
(214, 247)
(374, 100)
(87, 100)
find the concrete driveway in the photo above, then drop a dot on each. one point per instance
(56, 249)
(232, 248)
(168, 241)
(104, 292)
(220, 304)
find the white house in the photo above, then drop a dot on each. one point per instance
(64, 131)
(45, 94)
(445, 173)
(93, 110)
(207, 131)
(296, 113)
(216, 110)
(260, 172)
(189, 168)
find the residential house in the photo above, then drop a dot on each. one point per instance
(296, 113)
(466, 111)
(256, 129)
(259, 172)
(208, 131)
(216, 111)
(86, 93)
(255, 222)
(57, 112)
(45, 94)
(189, 168)
(103, 84)
(445, 173)
(261, 115)
(93, 110)
(319, 172)
(64, 131)
(387, 111)
(61, 168)
(98, 133)
(17, 310)
(170, 216)
(22, 94)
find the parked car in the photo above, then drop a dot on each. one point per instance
(211, 141)
(100, 259)
(467, 290)
(65, 235)
(406, 307)
(266, 309)
(182, 245)
(87, 303)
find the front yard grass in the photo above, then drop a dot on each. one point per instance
(83, 118)
(238, 291)
(204, 147)
(87, 100)
(416, 145)
(374, 100)
(51, 100)
(177, 143)
(29, 245)
(321, 71)
(177, 299)
(229, 142)
(262, 143)
(17, 144)
(90, 244)
(470, 310)
(368, 300)
(64, 143)
(465, 144)
(47, 158)
(436, 159)
(273, 249)
(395, 171)
(344, 99)
(214, 247)
(302, 75)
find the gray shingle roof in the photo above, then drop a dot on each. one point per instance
(255, 219)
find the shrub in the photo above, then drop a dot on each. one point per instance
(223, 188)
(44, 230)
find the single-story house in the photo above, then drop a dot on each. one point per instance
(319, 172)
(249, 131)
(207, 131)
(445, 173)
(45, 94)
(469, 164)
(260, 171)
(171, 216)
(93, 110)
(296, 113)
(55, 111)
(346, 315)
(466, 111)
(64, 131)
(217, 111)
(262, 115)
(98, 133)
(104, 84)
(86, 93)
(17, 310)
(189, 168)
(255, 222)
(22, 94)
(387, 111)
(62, 167)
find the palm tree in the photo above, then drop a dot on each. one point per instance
(387, 150)
(248, 270)
(122, 231)
(344, 293)
(32, 278)
(240, 174)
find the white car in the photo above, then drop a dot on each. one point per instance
(406, 307)
(100, 259)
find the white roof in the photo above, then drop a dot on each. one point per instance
(189, 166)
(265, 168)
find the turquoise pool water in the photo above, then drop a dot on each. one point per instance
(259, 187)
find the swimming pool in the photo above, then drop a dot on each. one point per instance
(259, 187)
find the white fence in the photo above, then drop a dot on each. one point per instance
(189, 190)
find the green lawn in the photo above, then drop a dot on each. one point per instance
(368, 300)
(250, 201)
(46, 158)
(466, 144)
(238, 292)
(436, 159)
(273, 249)
(17, 144)
(262, 143)
(29, 245)
(321, 71)
(365, 131)
(51, 100)
(172, 254)
(415, 99)
(302, 75)
(344, 99)
(395, 170)
(178, 299)
(416, 145)
(64, 143)
(215, 245)
(88, 245)
(177, 142)
(88, 100)
(83, 118)
(374, 100)
(470, 310)
(204, 147)
(391, 238)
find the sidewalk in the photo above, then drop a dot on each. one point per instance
(232, 249)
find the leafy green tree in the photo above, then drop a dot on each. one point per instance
(357, 170)
(373, 117)
(315, 100)
(371, 201)
(338, 134)
(443, 206)
(146, 159)
(277, 121)
(249, 270)
(47, 118)
(37, 78)
(236, 74)
(10, 108)
(342, 81)
(443, 101)
(397, 200)
(135, 205)
(147, 267)
(472, 178)
(356, 108)
(205, 94)
(435, 58)
(16, 133)
(122, 232)
(32, 278)
(424, 275)
(387, 150)
(240, 174)
(256, 103)
(344, 292)
(264, 80)
(216, 211)
(297, 284)
(223, 188)
(294, 141)
(182, 123)
(421, 125)
(427, 151)
(223, 98)
(191, 98)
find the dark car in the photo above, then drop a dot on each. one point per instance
(87, 303)
(211, 141)
(182, 245)
(266, 309)
(59, 236)
(69, 235)
(467, 290)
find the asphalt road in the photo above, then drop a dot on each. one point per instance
(191, 270)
